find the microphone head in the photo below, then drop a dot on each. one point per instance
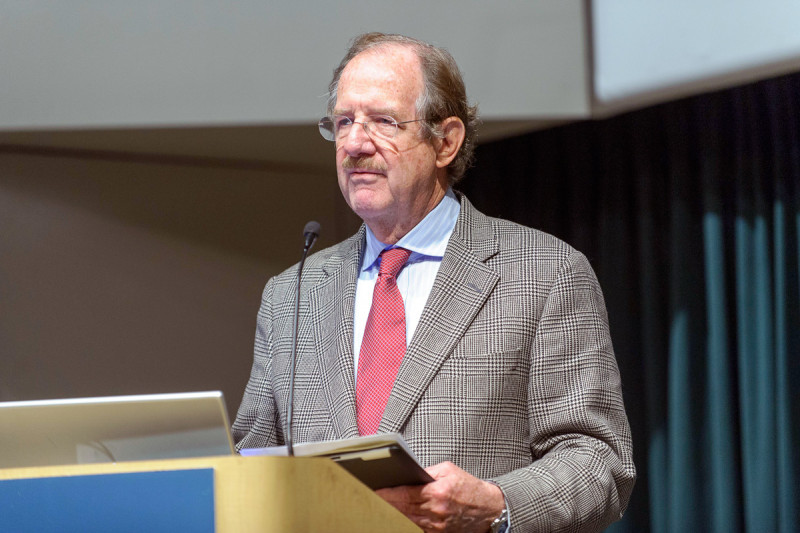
(311, 228)
(310, 234)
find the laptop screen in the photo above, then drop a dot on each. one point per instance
(114, 429)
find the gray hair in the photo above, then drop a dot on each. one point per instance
(444, 94)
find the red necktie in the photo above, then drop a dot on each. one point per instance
(384, 343)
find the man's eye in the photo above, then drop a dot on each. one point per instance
(343, 122)
(383, 121)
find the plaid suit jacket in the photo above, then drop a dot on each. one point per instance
(510, 374)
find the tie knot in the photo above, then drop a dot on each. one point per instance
(392, 261)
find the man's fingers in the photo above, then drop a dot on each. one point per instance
(440, 470)
(407, 497)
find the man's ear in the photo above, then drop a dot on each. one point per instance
(448, 146)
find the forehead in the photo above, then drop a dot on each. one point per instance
(388, 78)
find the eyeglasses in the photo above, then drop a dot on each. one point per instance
(338, 127)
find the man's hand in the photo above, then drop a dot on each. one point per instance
(454, 501)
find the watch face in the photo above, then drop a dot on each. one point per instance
(500, 523)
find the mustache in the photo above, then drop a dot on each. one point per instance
(363, 163)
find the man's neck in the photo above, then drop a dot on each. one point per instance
(391, 231)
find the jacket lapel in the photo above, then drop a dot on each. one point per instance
(331, 302)
(462, 286)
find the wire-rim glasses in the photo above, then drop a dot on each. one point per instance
(337, 127)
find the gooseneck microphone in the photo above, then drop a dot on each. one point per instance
(310, 234)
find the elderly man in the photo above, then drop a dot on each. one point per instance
(484, 343)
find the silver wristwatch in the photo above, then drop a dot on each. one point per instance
(500, 523)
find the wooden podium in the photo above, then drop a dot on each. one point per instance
(294, 494)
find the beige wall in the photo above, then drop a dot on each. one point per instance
(128, 276)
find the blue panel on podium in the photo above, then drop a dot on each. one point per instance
(176, 500)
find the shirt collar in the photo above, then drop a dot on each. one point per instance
(427, 239)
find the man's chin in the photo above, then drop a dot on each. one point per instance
(369, 206)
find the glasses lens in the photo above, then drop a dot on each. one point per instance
(383, 125)
(326, 129)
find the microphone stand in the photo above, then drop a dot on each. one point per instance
(310, 234)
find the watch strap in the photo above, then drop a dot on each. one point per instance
(500, 524)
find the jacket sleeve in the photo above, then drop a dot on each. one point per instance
(583, 473)
(257, 423)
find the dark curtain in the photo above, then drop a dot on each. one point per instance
(690, 214)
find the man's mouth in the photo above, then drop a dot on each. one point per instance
(362, 166)
(364, 171)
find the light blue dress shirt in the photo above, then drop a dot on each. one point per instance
(427, 242)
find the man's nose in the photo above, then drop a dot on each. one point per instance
(357, 141)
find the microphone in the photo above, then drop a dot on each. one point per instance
(310, 234)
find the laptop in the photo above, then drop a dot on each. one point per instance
(114, 429)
